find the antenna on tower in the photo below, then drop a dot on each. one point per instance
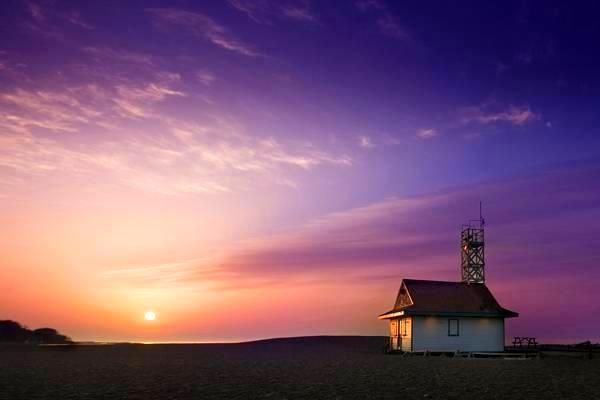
(472, 251)
(481, 220)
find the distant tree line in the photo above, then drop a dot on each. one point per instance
(13, 332)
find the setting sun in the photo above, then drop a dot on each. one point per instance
(149, 315)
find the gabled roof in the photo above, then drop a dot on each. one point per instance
(419, 297)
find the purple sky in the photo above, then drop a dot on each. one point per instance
(205, 159)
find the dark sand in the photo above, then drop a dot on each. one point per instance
(306, 368)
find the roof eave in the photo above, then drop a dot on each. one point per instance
(461, 314)
(392, 314)
(400, 313)
(510, 314)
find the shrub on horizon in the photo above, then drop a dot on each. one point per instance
(14, 332)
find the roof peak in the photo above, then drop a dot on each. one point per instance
(442, 282)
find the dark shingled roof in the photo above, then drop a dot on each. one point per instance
(448, 298)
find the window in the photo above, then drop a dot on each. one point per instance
(453, 329)
(405, 327)
(393, 328)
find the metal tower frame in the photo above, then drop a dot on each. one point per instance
(472, 244)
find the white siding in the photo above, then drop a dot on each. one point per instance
(475, 334)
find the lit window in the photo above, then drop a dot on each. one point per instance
(405, 327)
(394, 328)
(453, 327)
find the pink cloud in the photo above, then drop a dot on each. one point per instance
(366, 142)
(534, 250)
(299, 12)
(427, 133)
(205, 77)
(264, 12)
(134, 101)
(515, 115)
(141, 147)
(390, 26)
(36, 11)
(104, 53)
(203, 26)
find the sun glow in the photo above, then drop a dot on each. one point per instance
(149, 315)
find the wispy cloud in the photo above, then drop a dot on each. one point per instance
(241, 152)
(161, 164)
(487, 114)
(299, 12)
(306, 160)
(377, 245)
(133, 101)
(391, 140)
(157, 154)
(47, 22)
(67, 110)
(205, 77)
(366, 142)
(255, 9)
(365, 5)
(427, 133)
(36, 12)
(265, 12)
(42, 28)
(394, 237)
(75, 18)
(107, 53)
(389, 25)
(44, 109)
(120, 129)
(387, 22)
(202, 26)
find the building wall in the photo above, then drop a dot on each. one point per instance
(474, 334)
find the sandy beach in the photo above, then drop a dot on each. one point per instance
(303, 368)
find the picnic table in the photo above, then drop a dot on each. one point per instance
(520, 341)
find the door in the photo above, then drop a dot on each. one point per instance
(394, 337)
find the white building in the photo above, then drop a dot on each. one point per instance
(446, 316)
(450, 316)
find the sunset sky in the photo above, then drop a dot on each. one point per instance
(251, 168)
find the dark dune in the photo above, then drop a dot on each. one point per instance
(306, 368)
